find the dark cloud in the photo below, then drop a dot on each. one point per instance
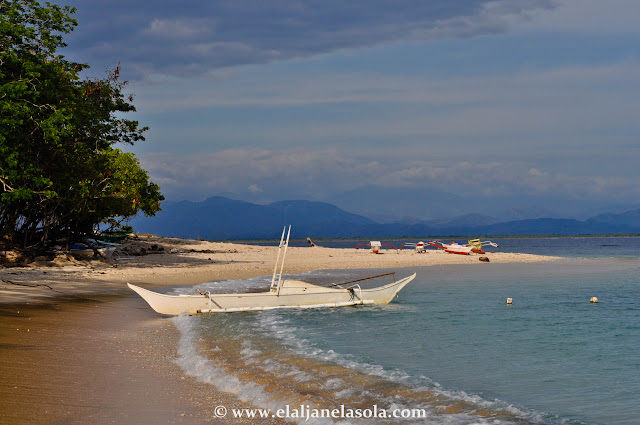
(193, 37)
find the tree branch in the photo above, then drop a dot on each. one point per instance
(5, 185)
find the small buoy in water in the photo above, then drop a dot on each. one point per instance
(509, 301)
(593, 300)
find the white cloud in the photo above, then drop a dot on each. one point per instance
(322, 174)
(254, 188)
(537, 173)
(180, 28)
(237, 169)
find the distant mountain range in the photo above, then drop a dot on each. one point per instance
(412, 205)
(224, 218)
(220, 218)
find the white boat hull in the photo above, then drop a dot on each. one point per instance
(456, 248)
(291, 294)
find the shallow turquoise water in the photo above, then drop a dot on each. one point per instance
(551, 351)
(551, 357)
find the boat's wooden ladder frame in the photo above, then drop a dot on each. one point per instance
(283, 244)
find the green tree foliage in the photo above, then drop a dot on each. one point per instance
(60, 174)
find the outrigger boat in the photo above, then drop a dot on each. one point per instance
(475, 245)
(456, 248)
(282, 294)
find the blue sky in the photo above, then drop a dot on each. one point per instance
(307, 99)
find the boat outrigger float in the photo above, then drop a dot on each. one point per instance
(282, 294)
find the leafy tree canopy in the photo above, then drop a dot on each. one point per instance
(60, 174)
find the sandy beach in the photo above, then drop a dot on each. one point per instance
(189, 262)
(77, 347)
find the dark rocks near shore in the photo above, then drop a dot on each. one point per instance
(138, 248)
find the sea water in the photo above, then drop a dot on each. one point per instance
(449, 344)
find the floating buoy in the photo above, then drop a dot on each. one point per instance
(593, 300)
(509, 301)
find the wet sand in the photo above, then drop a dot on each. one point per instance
(99, 360)
(76, 347)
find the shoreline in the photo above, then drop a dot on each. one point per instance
(190, 262)
(85, 348)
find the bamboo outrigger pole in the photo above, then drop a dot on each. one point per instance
(364, 278)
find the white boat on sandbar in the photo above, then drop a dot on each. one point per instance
(475, 246)
(282, 294)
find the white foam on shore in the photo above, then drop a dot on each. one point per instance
(204, 370)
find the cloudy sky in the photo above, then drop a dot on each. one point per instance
(306, 99)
